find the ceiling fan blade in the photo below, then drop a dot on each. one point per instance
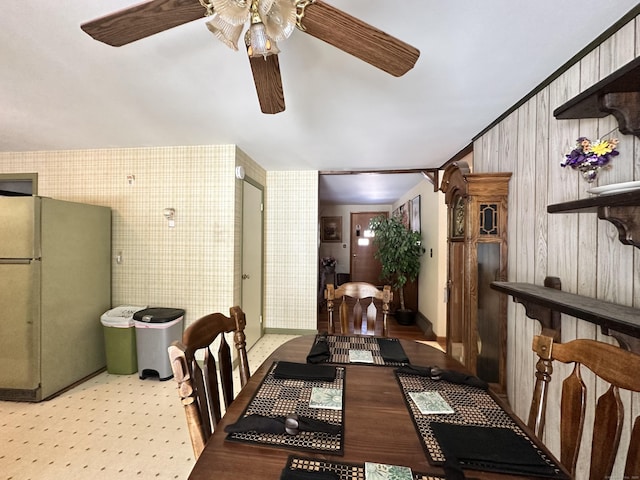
(266, 76)
(143, 20)
(360, 39)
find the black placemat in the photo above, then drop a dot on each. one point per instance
(491, 449)
(281, 397)
(344, 471)
(473, 406)
(339, 346)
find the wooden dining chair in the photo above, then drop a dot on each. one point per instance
(619, 369)
(351, 296)
(198, 382)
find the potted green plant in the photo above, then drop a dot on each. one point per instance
(399, 252)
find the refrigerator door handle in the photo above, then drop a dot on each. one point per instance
(16, 261)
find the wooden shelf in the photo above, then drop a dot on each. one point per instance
(621, 209)
(612, 318)
(617, 95)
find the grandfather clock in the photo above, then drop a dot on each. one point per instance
(477, 247)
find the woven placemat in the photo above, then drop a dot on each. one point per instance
(281, 397)
(339, 346)
(472, 406)
(344, 471)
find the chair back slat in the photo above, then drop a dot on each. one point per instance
(607, 429)
(226, 367)
(355, 318)
(614, 365)
(187, 395)
(632, 468)
(344, 317)
(207, 391)
(572, 411)
(357, 302)
(372, 313)
(199, 375)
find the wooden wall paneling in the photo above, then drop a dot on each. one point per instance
(588, 224)
(587, 246)
(490, 143)
(577, 248)
(562, 229)
(507, 160)
(618, 50)
(478, 152)
(508, 138)
(510, 159)
(523, 259)
(543, 163)
(615, 262)
(513, 326)
(543, 166)
(483, 158)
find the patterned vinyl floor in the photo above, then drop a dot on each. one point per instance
(111, 427)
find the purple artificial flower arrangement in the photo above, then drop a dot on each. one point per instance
(588, 155)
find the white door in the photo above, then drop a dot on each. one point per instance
(252, 260)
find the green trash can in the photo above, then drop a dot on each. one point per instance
(120, 339)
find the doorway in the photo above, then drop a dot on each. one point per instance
(252, 259)
(18, 184)
(364, 267)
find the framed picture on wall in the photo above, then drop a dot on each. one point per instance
(415, 214)
(404, 213)
(331, 229)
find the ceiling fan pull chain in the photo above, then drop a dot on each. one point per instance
(208, 6)
(301, 5)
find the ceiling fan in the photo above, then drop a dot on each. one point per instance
(269, 21)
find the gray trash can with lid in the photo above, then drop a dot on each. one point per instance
(156, 328)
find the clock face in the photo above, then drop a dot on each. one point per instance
(457, 220)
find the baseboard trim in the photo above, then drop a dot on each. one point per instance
(426, 326)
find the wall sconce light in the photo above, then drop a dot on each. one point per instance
(170, 214)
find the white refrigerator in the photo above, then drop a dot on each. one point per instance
(55, 283)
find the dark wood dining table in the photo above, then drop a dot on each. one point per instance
(378, 425)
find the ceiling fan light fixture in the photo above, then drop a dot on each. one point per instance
(235, 12)
(279, 19)
(227, 33)
(259, 43)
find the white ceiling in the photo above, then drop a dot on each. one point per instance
(60, 89)
(366, 188)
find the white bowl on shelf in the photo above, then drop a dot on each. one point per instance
(615, 188)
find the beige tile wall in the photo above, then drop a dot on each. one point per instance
(292, 249)
(192, 266)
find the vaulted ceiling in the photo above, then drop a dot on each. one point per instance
(60, 89)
